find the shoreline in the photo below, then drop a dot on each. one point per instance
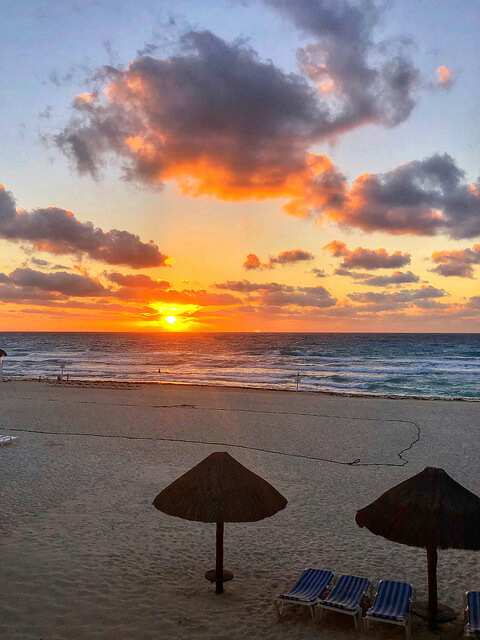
(132, 384)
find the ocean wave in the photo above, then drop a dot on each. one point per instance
(405, 365)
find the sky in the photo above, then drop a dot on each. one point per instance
(240, 165)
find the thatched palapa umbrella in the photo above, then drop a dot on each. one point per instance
(220, 489)
(429, 510)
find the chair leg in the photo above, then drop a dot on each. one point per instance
(279, 608)
(367, 625)
(312, 611)
(355, 621)
(319, 614)
(408, 627)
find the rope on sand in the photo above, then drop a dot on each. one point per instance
(352, 463)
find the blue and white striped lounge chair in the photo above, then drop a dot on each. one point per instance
(306, 591)
(391, 604)
(346, 597)
(472, 613)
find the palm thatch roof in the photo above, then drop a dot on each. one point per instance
(429, 510)
(220, 489)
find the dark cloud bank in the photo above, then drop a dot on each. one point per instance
(58, 231)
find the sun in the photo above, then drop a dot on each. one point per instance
(170, 319)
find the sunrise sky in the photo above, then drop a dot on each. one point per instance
(240, 165)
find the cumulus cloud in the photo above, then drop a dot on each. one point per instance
(219, 121)
(28, 286)
(245, 286)
(397, 277)
(444, 77)
(457, 263)
(431, 304)
(422, 197)
(340, 60)
(367, 258)
(293, 255)
(139, 280)
(38, 262)
(68, 284)
(319, 273)
(398, 297)
(252, 263)
(337, 248)
(10, 293)
(274, 294)
(285, 257)
(214, 117)
(303, 297)
(58, 231)
(343, 271)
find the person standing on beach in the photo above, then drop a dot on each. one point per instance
(2, 354)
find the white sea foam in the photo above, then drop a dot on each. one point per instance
(416, 365)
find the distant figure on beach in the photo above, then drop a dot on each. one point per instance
(2, 354)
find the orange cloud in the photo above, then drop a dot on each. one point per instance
(252, 262)
(86, 97)
(337, 248)
(444, 76)
(367, 258)
(290, 256)
(457, 263)
(217, 121)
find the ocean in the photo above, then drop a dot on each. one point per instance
(423, 365)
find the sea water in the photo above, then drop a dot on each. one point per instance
(425, 365)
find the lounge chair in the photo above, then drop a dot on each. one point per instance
(7, 440)
(346, 597)
(472, 613)
(306, 591)
(391, 604)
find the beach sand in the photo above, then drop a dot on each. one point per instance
(85, 555)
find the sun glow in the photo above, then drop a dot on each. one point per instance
(170, 319)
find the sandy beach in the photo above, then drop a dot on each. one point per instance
(85, 555)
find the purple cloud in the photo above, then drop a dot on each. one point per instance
(58, 231)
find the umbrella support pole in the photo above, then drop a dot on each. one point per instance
(432, 559)
(219, 575)
(219, 559)
(432, 611)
